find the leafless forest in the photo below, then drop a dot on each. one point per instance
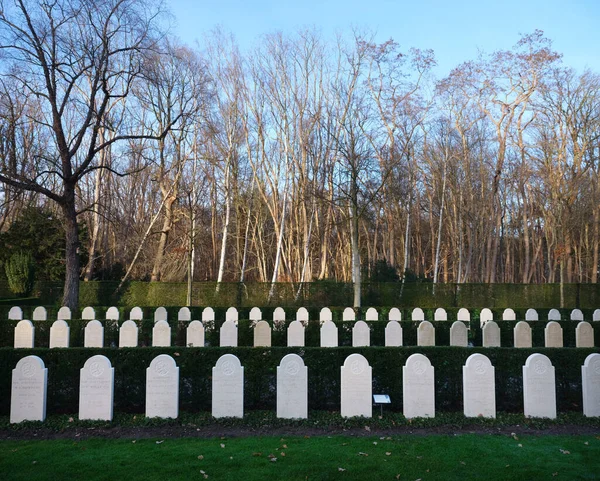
(302, 158)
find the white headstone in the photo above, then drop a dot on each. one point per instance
(393, 334)
(255, 314)
(539, 389)
(292, 388)
(596, 315)
(394, 314)
(94, 334)
(531, 315)
(40, 313)
(509, 315)
(590, 383)
(59, 334)
(440, 314)
(295, 334)
(232, 315)
(184, 314)
(228, 387)
(64, 314)
(485, 315)
(112, 313)
(15, 313)
(554, 315)
(425, 334)
(479, 387)
(160, 314)
(584, 335)
(162, 388)
(553, 334)
(262, 334)
(329, 334)
(88, 313)
(491, 334)
(463, 315)
(522, 335)
(458, 334)
(372, 314)
(195, 334)
(349, 314)
(28, 390)
(576, 315)
(361, 334)
(136, 314)
(208, 314)
(128, 334)
(356, 387)
(96, 389)
(161, 334)
(24, 334)
(278, 314)
(325, 315)
(418, 387)
(418, 314)
(228, 336)
(302, 314)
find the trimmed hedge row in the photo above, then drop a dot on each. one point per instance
(260, 368)
(322, 293)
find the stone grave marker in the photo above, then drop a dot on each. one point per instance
(361, 334)
(28, 390)
(349, 314)
(393, 334)
(531, 315)
(64, 314)
(162, 388)
(94, 334)
(395, 314)
(184, 314)
(539, 389)
(195, 334)
(522, 335)
(278, 314)
(590, 381)
(440, 314)
(302, 314)
(596, 315)
(24, 335)
(485, 315)
(59, 334)
(325, 315)
(584, 335)
(553, 334)
(15, 314)
(372, 314)
(356, 387)
(228, 387)
(88, 314)
(554, 315)
(509, 315)
(418, 314)
(232, 315)
(292, 388)
(576, 315)
(96, 389)
(418, 387)
(228, 335)
(161, 334)
(491, 334)
(40, 313)
(255, 314)
(463, 315)
(112, 314)
(262, 334)
(295, 334)
(479, 387)
(208, 314)
(458, 334)
(160, 314)
(128, 334)
(136, 314)
(329, 334)
(425, 334)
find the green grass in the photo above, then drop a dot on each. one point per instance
(488, 457)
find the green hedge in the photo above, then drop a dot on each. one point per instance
(260, 367)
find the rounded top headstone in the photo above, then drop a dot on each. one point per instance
(30, 366)
(302, 314)
(509, 315)
(136, 314)
(357, 363)
(394, 314)
(440, 314)
(463, 314)
(228, 364)
(418, 363)
(184, 314)
(576, 315)
(97, 365)
(163, 365)
(371, 314)
(325, 314)
(418, 314)
(478, 363)
(554, 315)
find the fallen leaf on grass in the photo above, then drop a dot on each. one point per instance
(282, 453)
(133, 441)
(176, 354)
(362, 454)
(34, 462)
(273, 459)
(222, 445)
(160, 442)
(341, 469)
(586, 443)
(375, 443)
(284, 446)
(200, 457)
(419, 457)
(71, 420)
(256, 455)
(388, 454)
(367, 428)
(564, 451)
(397, 476)
(554, 474)
(202, 472)
(520, 445)
(463, 463)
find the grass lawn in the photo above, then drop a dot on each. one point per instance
(439, 457)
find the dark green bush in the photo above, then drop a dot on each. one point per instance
(20, 272)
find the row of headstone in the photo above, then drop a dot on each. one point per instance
(24, 334)
(96, 392)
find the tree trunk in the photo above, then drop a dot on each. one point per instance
(71, 292)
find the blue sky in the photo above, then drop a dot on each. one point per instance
(455, 30)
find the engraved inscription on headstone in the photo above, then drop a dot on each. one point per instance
(28, 390)
(292, 388)
(96, 389)
(479, 387)
(228, 387)
(356, 387)
(162, 388)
